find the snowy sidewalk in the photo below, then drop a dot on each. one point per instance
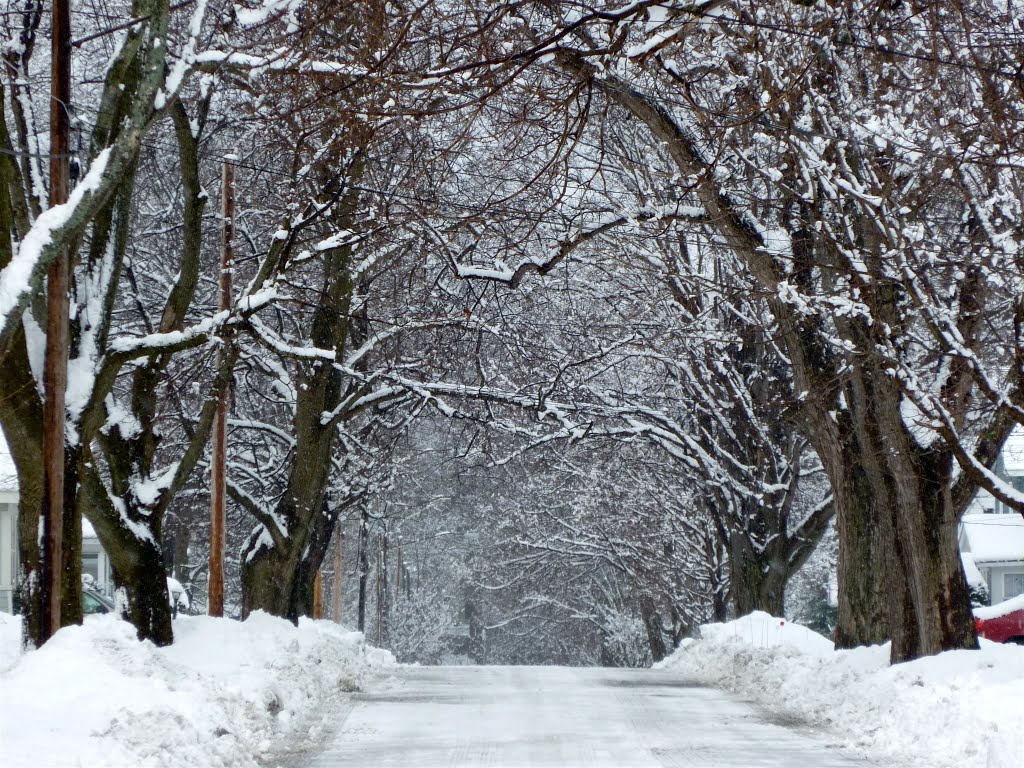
(566, 717)
(960, 708)
(226, 694)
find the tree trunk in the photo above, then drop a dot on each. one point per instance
(144, 581)
(869, 573)
(71, 551)
(280, 578)
(383, 590)
(21, 414)
(758, 580)
(136, 556)
(364, 566)
(652, 623)
(900, 572)
(182, 538)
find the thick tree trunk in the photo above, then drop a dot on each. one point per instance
(280, 578)
(278, 581)
(719, 605)
(267, 580)
(142, 577)
(870, 577)
(652, 623)
(758, 580)
(900, 575)
(135, 555)
(21, 414)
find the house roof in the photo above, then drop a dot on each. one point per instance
(993, 538)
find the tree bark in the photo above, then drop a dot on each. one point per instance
(145, 584)
(135, 556)
(758, 581)
(652, 623)
(21, 414)
(364, 566)
(71, 576)
(281, 579)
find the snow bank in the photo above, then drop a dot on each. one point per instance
(223, 694)
(763, 631)
(958, 708)
(10, 644)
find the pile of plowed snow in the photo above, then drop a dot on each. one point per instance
(958, 708)
(225, 693)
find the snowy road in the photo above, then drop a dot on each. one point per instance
(558, 716)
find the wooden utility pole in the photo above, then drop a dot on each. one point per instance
(339, 540)
(318, 595)
(55, 366)
(215, 588)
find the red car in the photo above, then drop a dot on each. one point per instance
(1003, 623)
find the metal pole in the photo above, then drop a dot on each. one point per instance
(215, 594)
(55, 366)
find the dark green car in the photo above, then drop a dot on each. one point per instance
(96, 602)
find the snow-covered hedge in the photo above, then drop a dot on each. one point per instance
(959, 708)
(223, 694)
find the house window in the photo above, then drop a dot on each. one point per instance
(1013, 585)
(91, 566)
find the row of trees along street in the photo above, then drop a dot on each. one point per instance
(554, 329)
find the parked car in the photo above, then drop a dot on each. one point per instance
(1002, 623)
(95, 602)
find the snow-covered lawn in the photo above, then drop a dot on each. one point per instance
(223, 694)
(962, 708)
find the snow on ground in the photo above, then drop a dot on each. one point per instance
(10, 638)
(223, 694)
(955, 709)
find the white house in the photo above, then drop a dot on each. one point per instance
(992, 535)
(1010, 467)
(95, 562)
(8, 537)
(994, 545)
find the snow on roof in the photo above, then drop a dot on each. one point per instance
(982, 503)
(974, 577)
(1013, 452)
(1001, 609)
(994, 538)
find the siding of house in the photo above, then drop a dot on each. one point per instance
(994, 543)
(1005, 582)
(8, 551)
